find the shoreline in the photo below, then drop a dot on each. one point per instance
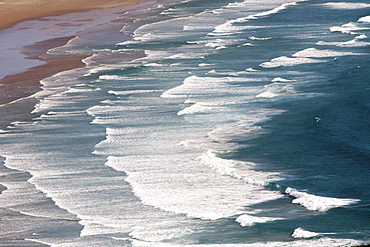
(14, 12)
(16, 104)
(26, 83)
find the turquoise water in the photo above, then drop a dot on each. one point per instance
(214, 123)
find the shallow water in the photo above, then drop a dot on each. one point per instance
(200, 123)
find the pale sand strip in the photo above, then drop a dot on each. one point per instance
(14, 11)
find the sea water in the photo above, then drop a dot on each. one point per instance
(212, 123)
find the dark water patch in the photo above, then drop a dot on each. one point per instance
(2, 188)
(16, 111)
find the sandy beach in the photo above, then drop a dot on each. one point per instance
(12, 11)
(24, 84)
(27, 83)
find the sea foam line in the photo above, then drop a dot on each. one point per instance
(249, 220)
(298, 243)
(318, 203)
(346, 6)
(228, 28)
(309, 201)
(271, 12)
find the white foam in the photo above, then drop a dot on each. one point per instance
(277, 89)
(289, 61)
(96, 70)
(112, 77)
(128, 92)
(271, 12)
(362, 36)
(349, 28)
(267, 94)
(200, 107)
(188, 55)
(189, 28)
(227, 28)
(184, 185)
(364, 19)
(279, 79)
(249, 220)
(328, 43)
(222, 43)
(214, 72)
(236, 5)
(318, 203)
(180, 182)
(197, 86)
(356, 42)
(316, 53)
(199, 144)
(239, 131)
(238, 169)
(301, 233)
(160, 233)
(153, 65)
(257, 38)
(24, 197)
(89, 61)
(204, 64)
(31, 31)
(327, 242)
(344, 5)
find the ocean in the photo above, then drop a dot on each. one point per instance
(194, 123)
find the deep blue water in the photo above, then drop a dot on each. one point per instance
(198, 123)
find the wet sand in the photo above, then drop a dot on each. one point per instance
(12, 12)
(13, 87)
(27, 83)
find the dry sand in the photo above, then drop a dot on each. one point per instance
(14, 11)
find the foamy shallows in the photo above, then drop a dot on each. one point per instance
(195, 86)
(318, 203)
(275, 90)
(297, 243)
(316, 53)
(249, 220)
(344, 5)
(200, 123)
(289, 61)
(273, 11)
(186, 186)
(301, 233)
(13, 39)
(350, 28)
(364, 19)
(279, 79)
(356, 42)
(200, 107)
